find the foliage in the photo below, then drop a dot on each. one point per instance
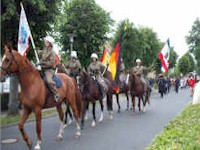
(181, 133)
(140, 43)
(40, 15)
(90, 23)
(186, 64)
(193, 40)
(176, 72)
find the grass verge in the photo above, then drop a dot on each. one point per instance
(182, 133)
(15, 119)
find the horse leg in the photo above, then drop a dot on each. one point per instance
(59, 137)
(102, 107)
(133, 104)
(68, 111)
(76, 115)
(94, 115)
(139, 100)
(117, 98)
(85, 104)
(110, 105)
(127, 98)
(86, 111)
(25, 115)
(38, 115)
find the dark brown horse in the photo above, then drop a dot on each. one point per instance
(123, 89)
(137, 90)
(91, 92)
(35, 95)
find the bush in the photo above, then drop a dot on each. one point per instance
(181, 133)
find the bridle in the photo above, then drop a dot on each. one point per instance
(9, 64)
(8, 73)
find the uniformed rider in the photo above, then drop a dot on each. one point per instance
(140, 71)
(48, 63)
(74, 64)
(95, 69)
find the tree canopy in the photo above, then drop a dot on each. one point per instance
(193, 41)
(40, 15)
(90, 23)
(186, 64)
(140, 42)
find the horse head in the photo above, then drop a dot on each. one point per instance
(10, 62)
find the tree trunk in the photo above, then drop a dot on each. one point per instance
(13, 107)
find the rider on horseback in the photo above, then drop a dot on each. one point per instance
(140, 70)
(74, 64)
(95, 70)
(47, 62)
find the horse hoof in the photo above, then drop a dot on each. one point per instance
(37, 147)
(143, 110)
(64, 126)
(78, 135)
(119, 111)
(111, 117)
(59, 138)
(93, 124)
(100, 120)
(29, 144)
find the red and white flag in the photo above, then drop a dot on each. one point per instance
(164, 57)
(24, 34)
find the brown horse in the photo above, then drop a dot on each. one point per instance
(137, 90)
(123, 89)
(35, 95)
(91, 92)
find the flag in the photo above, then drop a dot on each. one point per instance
(164, 57)
(105, 57)
(57, 53)
(114, 65)
(24, 34)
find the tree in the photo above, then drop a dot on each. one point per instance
(186, 64)
(90, 23)
(193, 41)
(137, 43)
(40, 15)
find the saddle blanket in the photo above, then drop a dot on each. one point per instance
(57, 80)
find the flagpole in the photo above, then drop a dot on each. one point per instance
(33, 44)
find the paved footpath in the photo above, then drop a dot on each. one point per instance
(124, 132)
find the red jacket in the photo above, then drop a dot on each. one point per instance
(191, 82)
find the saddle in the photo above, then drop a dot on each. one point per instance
(58, 84)
(56, 79)
(102, 87)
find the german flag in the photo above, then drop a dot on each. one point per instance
(114, 65)
(105, 57)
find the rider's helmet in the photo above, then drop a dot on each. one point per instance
(94, 55)
(138, 60)
(49, 39)
(73, 54)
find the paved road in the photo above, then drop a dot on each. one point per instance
(125, 132)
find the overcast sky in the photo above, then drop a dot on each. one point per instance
(168, 18)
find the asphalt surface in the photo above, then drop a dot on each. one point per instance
(124, 132)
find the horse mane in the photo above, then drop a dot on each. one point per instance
(27, 62)
(134, 78)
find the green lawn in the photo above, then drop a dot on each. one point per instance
(15, 119)
(183, 133)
